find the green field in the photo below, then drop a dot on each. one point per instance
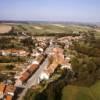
(50, 28)
(72, 92)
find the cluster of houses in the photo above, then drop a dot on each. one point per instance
(13, 52)
(57, 58)
(69, 38)
(26, 74)
(7, 91)
(40, 45)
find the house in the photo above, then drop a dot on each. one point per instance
(35, 54)
(18, 82)
(10, 89)
(22, 78)
(44, 76)
(9, 92)
(40, 49)
(67, 59)
(13, 52)
(8, 97)
(4, 53)
(35, 62)
(32, 68)
(27, 73)
(40, 58)
(25, 76)
(2, 88)
(66, 66)
(49, 71)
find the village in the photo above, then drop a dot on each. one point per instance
(45, 58)
(50, 50)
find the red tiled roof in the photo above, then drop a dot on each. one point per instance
(8, 97)
(32, 68)
(2, 87)
(24, 76)
(10, 88)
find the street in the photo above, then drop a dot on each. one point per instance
(34, 80)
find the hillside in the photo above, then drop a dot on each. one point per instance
(72, 92)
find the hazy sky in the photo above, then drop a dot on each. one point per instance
(50, 10)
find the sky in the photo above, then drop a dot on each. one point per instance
(50, 10)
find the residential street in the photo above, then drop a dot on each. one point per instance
(34, 80)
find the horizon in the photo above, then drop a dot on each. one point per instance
(86, 11)
(47, 21)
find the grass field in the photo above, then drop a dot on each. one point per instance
(72, 92)
(97, 33)
(50, 28)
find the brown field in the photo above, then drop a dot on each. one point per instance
(5, 28)
(37, 27)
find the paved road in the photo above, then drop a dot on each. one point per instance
(34, 80)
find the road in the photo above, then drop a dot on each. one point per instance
(34, 80)
(36, 75)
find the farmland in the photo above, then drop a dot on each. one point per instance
(45, 29)
(72, 92)
(25, 44)
(4, 28)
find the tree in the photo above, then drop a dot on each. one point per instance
(91, 36)
(28, 42)
(10, 67)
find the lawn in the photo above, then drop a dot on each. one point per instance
(72, 92)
